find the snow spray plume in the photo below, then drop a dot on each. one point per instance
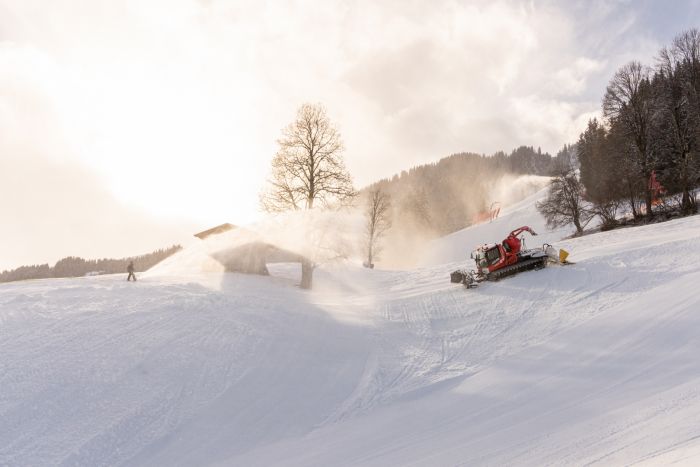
(511, 189)
(337, 236)
(321, 236)
(418, 218)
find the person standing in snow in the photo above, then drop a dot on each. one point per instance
(130, 270)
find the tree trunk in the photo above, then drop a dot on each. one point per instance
(307, 272)
(632, 200)
(577, 224)
(686, 204)
(648, 201)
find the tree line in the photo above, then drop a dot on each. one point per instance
(644, 153)
(73, 266)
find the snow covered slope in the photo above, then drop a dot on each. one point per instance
(590, 363)
(458, 245)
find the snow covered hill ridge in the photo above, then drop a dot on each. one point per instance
(593, 363)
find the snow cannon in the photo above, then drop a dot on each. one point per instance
(559, 257)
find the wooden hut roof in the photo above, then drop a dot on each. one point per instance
(215, 230)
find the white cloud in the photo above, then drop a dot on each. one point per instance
(571, 80)
(177, 104)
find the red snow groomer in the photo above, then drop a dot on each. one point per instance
(497, 260)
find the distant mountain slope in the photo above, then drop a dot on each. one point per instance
(445, 196)
(433, 200)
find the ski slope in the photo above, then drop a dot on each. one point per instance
(459, 244)
(593, 363)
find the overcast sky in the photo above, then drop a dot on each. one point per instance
(128, 125)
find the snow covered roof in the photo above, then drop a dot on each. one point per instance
(215, 230)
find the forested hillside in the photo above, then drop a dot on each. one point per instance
(444, 196)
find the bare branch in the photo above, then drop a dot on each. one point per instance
(308, 168)
(378, 221)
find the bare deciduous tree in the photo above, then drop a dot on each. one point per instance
(627, 101)
(564, 203)
(678, 109)
(308, 170)
(378, 221)
(308, 167)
